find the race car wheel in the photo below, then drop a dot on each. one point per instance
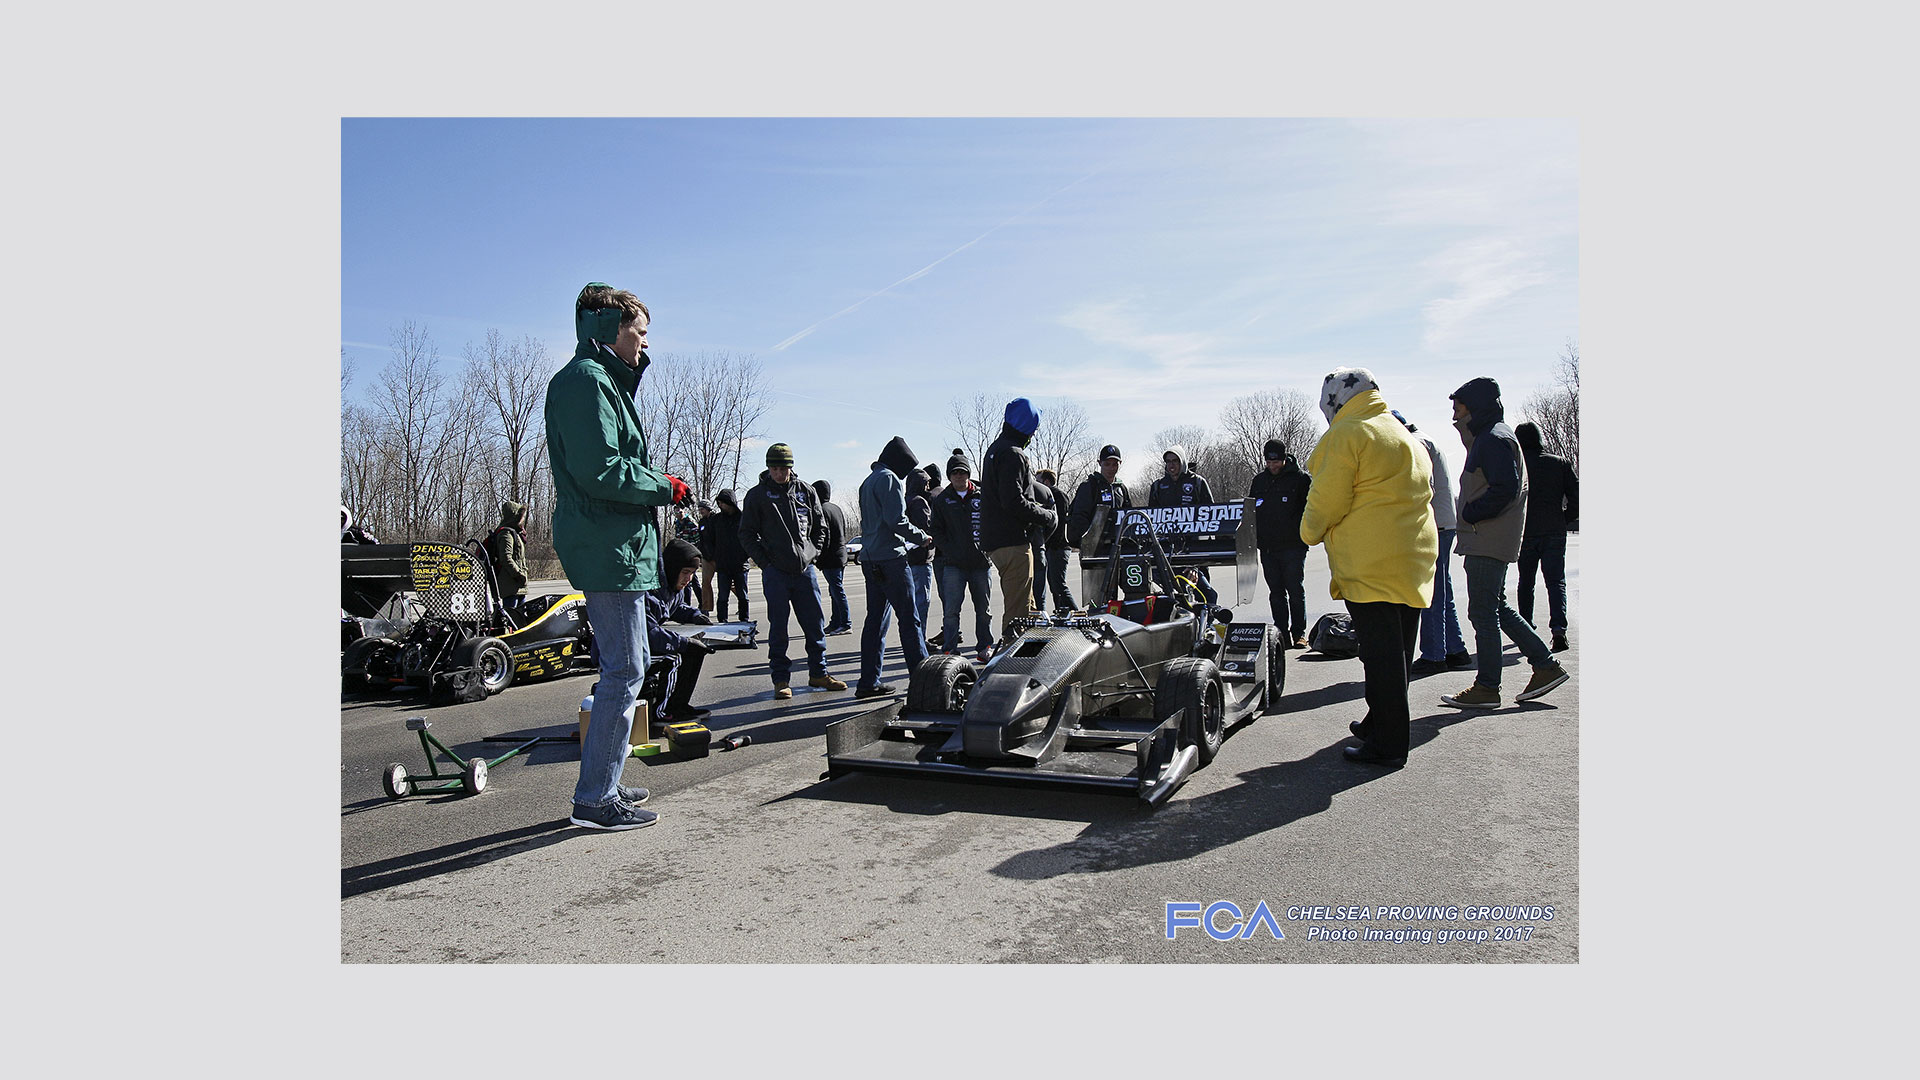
(941, 684)
(1276, 672)
(1192, 684)
(396, 782)
(474, 776)
(357, 661)
(492, 657)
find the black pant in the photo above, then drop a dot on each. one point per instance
(1548, 554)
(1388, 636)
(680, 680)
(732, 583)
(1286, 572)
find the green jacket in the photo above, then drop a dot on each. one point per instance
(604, 527)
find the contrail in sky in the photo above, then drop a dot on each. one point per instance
(923, 270)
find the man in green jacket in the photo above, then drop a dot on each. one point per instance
(606, 532)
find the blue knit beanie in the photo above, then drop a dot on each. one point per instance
(1021, 414)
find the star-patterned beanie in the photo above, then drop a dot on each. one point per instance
(1342, 386)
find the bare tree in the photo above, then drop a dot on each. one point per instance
(512, 380)
(1246, 423)
(975, 423)
(698, 410)
(1200, 447)
(1064, 442)
(410, 417)
(1557, 412)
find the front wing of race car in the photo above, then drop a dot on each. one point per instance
(1119, 756)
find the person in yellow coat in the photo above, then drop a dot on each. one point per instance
(1371, 505)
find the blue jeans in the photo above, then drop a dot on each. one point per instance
(1548, 554)
(801, 593)
(1439, 624)
(1490, 614)
(955, 584)
(889, 595)
(921, 579)
(619, 622)
(837, 590)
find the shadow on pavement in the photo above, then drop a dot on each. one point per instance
(1269, 797)
(406, 869)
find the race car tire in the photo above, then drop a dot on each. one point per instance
(1190, 686)
(492, 657)
(395, 781)
(474, 776)
(353, 664)
(941, 684)
(1276, 672)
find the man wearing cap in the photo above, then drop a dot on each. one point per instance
(1008, 512)
(607, 532)
(962, 566)
(1371, 504)
(1279, 494)
(1098, 489)
(781, 530)
(886, 536)
(833, 558)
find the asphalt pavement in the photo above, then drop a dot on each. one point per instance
(1468, 854)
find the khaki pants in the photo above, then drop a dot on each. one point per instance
(1015, 565)
(706, 588)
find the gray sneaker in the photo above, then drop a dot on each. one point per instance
(616, 816)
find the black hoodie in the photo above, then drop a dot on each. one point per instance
(1553, 491)
(1008, 512)
(720, 538)
(1094, 491)
(833, 553)
(1278, 502)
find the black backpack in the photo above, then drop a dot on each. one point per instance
(1333, 635)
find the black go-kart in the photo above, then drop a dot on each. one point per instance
(461, 641)
(1129, 697)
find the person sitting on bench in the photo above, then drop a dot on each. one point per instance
(684, 653)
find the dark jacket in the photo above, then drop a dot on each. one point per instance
(833, 553)
(1492, 509)
(1278, 502)
(920, 514)
(780, 525)
(1057, 502)
(507, 550)
(1190, 490)
(1008, 513)
(660, 609)
(724, 528)
(1553, 490)
(1094, 491)
(606, 490)
(956, 529)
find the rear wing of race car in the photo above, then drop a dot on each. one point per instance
(1207, 534)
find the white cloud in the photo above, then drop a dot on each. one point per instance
(1482, 273)
(850, 444)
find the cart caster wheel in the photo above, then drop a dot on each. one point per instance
(396, 782)
(475, 776)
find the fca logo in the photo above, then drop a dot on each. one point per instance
(1183, 914)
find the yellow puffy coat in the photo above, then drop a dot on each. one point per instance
(1371, 502)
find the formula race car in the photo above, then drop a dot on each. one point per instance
(1128, 697)
(463, 642)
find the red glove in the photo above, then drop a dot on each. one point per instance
(680, 489)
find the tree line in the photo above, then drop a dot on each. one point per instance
(435, 447)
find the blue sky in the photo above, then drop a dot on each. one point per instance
(1149, 269)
